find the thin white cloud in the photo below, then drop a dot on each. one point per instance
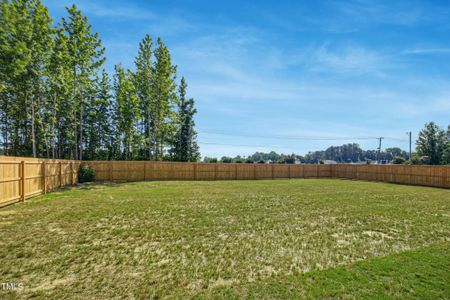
(350, 59)
(123, 11)
(427, 51)
(369, 11)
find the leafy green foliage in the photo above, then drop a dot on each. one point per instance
(185, 147)
(143, 83)
(207, 159)
(127, 110)
(341, 154)
(57, 102)
(398, 160)
(163, 93)
(86, 174)
(226, 159)
(432, 144)
(86, 58)
(25, 40)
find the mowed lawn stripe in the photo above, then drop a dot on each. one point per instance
(414, 274)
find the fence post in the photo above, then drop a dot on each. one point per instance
(60, 174)
(145, 171)
(235, 172)
(195, 171)
(215, 171)
(44, 176)
(289, 171)
(254, 172)
(272, 171)
(110, 170)
(22, 180)
(71, 173)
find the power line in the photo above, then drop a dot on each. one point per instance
(311, 138)
(242, 145)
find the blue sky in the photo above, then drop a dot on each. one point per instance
(273, 71)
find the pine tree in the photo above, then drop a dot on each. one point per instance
(185, 147)
(14, 57)
(98, 120)
(127, 111)
(163, 95)
(60, 110)
(446, 154)
(432, 143)
(143, 80)
(55, 103)
(41, 43)
(104, 114)
(86, 52)
(5, 70)
(26, 40)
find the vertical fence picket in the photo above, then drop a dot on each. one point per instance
(44, 177)
(60, 174)
(22, 180)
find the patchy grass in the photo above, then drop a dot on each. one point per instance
(229, 239)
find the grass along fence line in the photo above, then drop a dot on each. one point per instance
(22, 178)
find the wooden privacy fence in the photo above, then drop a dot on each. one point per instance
(150, 170)
(22, 178)
(438, 176)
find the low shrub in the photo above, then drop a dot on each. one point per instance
(85, 174)
(398, 160)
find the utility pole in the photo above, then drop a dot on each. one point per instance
(409, 134)
(379, 149)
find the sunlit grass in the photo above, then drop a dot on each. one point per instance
(211, 239)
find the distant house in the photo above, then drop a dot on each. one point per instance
(329, 162)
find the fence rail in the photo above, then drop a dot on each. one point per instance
(21, 178)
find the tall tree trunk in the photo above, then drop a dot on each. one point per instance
(59, 145)
(52, 145)
(6, 136)
(75, 148)
(157, 123)
(150, 137)
(81, 131)
(33, 127)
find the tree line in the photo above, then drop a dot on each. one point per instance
(346, 153)
(432, 147)
(57, 100)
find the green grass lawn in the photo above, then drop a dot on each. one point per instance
(229, 239)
